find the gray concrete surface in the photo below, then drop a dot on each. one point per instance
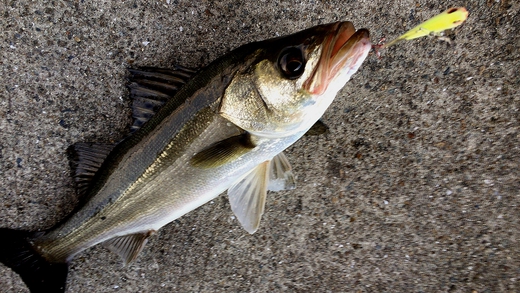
(415, 189)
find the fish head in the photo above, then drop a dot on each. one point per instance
(293, 79)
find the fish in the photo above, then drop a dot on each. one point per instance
(449, 19)
(196, 134)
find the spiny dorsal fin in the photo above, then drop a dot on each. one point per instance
(86, 158)
(223, 151)
(247, 197)
(150, 88)
(280, 174)
(128, 247)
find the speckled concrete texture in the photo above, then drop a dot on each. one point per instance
(416, 187)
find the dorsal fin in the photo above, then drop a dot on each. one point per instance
(85, 160)
(150, 88)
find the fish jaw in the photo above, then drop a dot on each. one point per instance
(341, 56)
(338, 62)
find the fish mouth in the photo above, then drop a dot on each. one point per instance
(343, 50)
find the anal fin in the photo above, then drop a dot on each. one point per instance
(128, 247)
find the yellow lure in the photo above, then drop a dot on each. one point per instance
(448, 19)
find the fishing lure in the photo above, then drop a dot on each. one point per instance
(449, 19)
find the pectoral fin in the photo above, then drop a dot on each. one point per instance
(247, 197)
(128, 247)
(223, 151)
(280, 174)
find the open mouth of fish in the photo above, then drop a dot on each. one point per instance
(343, 51)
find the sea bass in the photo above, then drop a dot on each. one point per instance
(196, 134)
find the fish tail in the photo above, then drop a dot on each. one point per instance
(38, 274)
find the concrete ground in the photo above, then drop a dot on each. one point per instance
(416, 187)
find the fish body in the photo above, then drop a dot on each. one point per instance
(224, 129)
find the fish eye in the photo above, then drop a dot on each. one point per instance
(292, 62)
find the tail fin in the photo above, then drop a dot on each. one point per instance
(38, 274)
